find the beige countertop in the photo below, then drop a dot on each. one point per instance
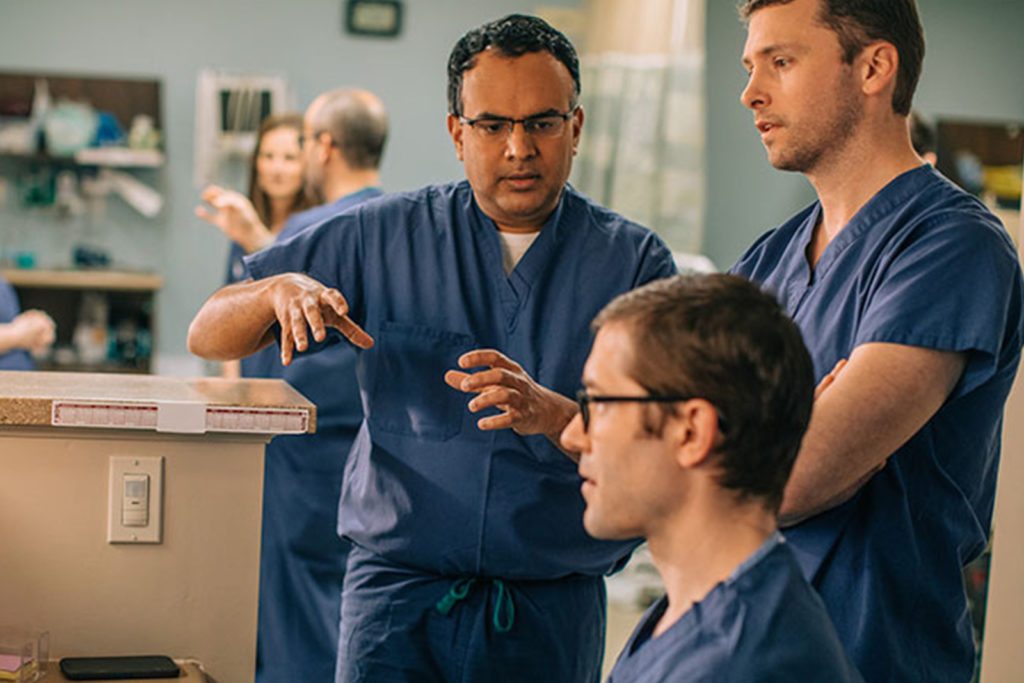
(190, 673)
(247, 405)
(82, 279)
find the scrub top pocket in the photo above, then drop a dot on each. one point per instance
(410, 397)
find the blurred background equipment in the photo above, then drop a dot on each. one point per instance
(984, 158)
(229, 108)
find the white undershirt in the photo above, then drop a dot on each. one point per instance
(513, 246)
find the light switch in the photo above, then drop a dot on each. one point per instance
(135, 499)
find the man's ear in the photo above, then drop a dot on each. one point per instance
(879, 66)
(321, 150)
(694, 429)
(455, 130)
(577, 129)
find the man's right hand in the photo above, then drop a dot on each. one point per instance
(236, 217)
(33, 330)
(300, 302)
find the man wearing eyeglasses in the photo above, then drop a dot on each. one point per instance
(697, 392)
(470, 561)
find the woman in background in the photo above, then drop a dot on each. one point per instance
(276, 191)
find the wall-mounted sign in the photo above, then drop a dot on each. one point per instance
(382, 18)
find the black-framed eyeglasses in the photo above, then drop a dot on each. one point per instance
(584, 399)
(499, 127)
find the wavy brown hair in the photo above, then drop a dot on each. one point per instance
(260, 200)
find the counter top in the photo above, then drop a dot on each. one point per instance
(83, 279)
(190, 673)
(153, 402)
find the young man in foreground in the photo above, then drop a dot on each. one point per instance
(697, 393)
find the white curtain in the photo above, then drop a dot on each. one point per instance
(642, 151)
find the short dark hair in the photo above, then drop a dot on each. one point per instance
(720, 338)
(860, 22)
(357, 123)
(512, 36)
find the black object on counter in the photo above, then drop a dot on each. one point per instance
(118, 668)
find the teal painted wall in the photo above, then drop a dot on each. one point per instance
(171, 41)
(974, 68)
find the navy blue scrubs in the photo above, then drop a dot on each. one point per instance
(302, 558)
(763, 624)
(427, 492)
(15, 359)
(921, 264)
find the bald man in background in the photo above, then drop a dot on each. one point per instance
(302, 558)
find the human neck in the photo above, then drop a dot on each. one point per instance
(703, 545)
(850, 178)
(521, 224)
(522, 227)
(339, 185)
(518, 229)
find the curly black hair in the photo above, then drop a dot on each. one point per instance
(513, 36)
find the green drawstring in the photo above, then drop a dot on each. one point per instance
(460, 589)
(504, 599)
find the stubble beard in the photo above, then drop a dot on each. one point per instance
(314, 182)
(821, 139)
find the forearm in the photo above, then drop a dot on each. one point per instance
(231, 369)
(884, 396)
(833, 463)
(9, 338)
(257, 239)
(799, 506)
(233, 323)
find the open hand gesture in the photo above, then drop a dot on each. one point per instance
(300, 302)
(236, 217)
(527, 407)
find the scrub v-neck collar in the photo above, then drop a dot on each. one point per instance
(515, 287)
(880, 205)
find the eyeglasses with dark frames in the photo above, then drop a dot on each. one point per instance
(584, 399)
(499, 127)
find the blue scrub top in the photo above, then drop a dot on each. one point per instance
(267, 362)
(15, 359)
(236, 264)
(423, 274)
(764, 623)
(236, 271)
(921, 264)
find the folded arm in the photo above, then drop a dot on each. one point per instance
(883, 396)
(238, 319)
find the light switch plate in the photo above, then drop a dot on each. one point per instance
(120, 466)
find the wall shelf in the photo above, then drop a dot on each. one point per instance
(110, 280)
(130, 300)
(122, 97)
